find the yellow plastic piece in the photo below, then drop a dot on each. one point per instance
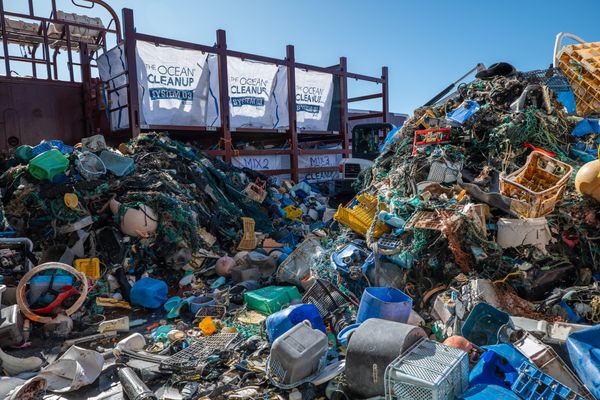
(360, 217)
(292, 212)
(207, 326)
(89, 266)
(536, 187)
(581, 65)
(71, 200)
(248, 241)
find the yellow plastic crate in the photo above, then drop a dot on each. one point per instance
(89, 266)
(536, 187)
(581, 65)
(360, 217)
(249, 240)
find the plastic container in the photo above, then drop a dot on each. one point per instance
(282, 321)
(533, 384)
(371, 348)
(149, 293)
(360, 215)
(89, 266)
(39, 284)
(117, 164)
(47, 165)
(345, 334)
(482, 325)
(488, 392)
(296, 267)
(271, 299)
(386, 303)
(297, 354)
(249, 240)
(536, 187)
(428, 371)
(89, 165)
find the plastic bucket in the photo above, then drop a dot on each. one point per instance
(344, 334)
(201, 301)
(483, 323)
(385, 303)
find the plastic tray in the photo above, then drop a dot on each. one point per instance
(536, 187)
(325, 297)
(117, 164)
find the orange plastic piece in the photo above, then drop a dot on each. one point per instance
(430, 136)
(207, 326)
(360, 217)
(581, 65)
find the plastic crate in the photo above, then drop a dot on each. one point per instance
(360, 215)
(445, 171)
(325, 297)
(581, 64)
(551, 77)
(533, 384)
(428, 371)
(536, 187)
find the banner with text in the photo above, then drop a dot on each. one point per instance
(173, 85)
(262, 163)
(252, 103)
(319, 161)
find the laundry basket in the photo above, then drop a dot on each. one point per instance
(428, 371)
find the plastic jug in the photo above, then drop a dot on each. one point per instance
(47, 165)
(284, 320)
(385, 303)
(297, 353)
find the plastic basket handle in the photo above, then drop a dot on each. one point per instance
(558, 45)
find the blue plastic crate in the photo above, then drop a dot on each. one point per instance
(533, 384)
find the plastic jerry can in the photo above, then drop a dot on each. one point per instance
(282, 321)
(296, 354)
(48, 164)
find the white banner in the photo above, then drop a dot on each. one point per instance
(111, 64)
(314, 93)
(173, 85)
(319, 161)
(251, 100)
(262, 163)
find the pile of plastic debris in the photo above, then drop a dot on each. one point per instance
(466, 266)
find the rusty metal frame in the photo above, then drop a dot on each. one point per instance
(225, 133)
(64, 41)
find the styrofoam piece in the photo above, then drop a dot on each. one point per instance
(520, 232)
(555, 332)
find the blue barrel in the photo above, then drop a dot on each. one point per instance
(284, 320)
(384, 303)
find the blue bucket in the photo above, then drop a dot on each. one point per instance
(201, 301)
(384, 303)
(483, 323)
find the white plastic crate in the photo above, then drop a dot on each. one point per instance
(428, 371)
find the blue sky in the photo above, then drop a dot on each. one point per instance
(425, 44)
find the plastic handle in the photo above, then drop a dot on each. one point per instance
(307, 323)
(558, 44)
